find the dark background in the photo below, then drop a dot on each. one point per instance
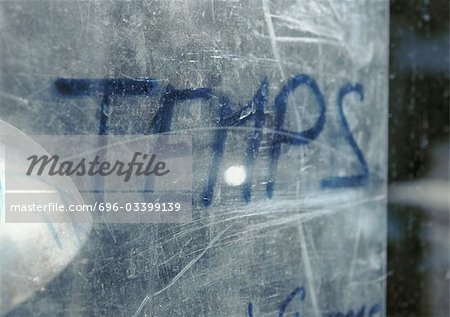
(418, 237)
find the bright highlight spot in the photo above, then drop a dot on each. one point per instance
(235, 175)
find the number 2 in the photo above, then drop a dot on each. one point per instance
(359, 179)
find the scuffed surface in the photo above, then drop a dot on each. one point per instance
(331, 242)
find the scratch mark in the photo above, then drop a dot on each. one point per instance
(324, 31)
(333, 8)
(356, 246)
(181, 273)
(18, 99)
(307, 40)
(308, 270)
(271, 30)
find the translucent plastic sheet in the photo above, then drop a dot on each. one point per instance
(287, 97)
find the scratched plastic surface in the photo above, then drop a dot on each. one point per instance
(291, 95)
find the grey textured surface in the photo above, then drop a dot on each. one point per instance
(331, 242)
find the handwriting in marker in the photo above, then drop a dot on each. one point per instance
(300, 293)
(359, 179)
(227, 119)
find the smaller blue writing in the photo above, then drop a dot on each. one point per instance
(300, 294)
